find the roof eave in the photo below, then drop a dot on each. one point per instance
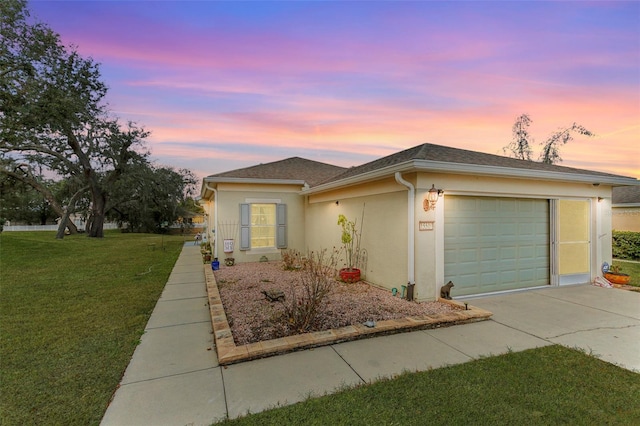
(475, 169)
(525, 173)
(626, 205)
(215, 180)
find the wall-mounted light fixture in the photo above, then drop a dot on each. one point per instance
(431, 199)
(600, 199)
(337, 203)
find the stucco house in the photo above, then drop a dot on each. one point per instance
(498, 224)
(626, 208)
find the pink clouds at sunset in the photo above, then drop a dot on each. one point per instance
(223, 85)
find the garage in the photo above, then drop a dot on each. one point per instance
(496, 244)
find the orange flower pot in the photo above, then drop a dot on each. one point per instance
(617, 278)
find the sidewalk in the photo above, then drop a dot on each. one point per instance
(174, 377)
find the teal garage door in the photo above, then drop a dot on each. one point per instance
(495, 244)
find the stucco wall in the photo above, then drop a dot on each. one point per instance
(626, 219)
(384, 235)
(230, 196)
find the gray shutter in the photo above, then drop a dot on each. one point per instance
(281, 222)
(245, 226)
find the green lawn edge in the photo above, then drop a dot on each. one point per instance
(542, 386)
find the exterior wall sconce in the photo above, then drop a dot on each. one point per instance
(337, 203)
(431, 199)
(600, 199)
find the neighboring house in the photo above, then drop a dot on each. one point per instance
(625, 208)
(499, 224)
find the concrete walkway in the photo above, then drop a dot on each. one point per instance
(174, 377)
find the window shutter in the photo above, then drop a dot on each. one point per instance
(281, 223)
(245, 226)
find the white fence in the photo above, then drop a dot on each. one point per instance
(15, 228)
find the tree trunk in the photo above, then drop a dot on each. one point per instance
(63, 225)
(99, 202)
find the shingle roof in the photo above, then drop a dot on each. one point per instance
(626, 195)
(447, 154)
(294, 168)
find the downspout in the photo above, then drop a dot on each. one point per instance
(215, 220)
(411, 202)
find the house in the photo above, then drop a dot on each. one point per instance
(493, 224)
(625, 208)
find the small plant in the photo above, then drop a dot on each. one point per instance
(350, 241)
(615, 269)
(292, 260)
(301, 310)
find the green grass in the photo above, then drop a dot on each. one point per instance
(544, 386)
(630, 268)
(71, 314)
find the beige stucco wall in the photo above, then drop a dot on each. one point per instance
(384, 228)
(231, 195)
(626, 219)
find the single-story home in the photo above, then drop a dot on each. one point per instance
(489, 224)
(626, 208)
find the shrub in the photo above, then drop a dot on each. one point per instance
(626, 245)
(292, 260)
(301, 310)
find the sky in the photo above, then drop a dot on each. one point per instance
(225, 85)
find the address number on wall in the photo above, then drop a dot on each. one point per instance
(425, 226)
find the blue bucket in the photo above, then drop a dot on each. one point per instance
(215, 265)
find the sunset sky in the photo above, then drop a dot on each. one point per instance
(224, 85)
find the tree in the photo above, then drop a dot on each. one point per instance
(24, 174)
(52, 115)
(520, 146)
(550, 151)
(150, 197)
(19, 202)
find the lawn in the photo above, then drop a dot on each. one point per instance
(71, 314)
(549, 385)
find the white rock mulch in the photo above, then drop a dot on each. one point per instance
(253, 318)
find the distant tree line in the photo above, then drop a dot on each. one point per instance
(59, 140)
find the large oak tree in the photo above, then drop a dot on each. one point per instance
(52, 114)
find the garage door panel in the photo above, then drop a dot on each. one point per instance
(494, 244)
(488, 278)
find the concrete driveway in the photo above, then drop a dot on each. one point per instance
(603, 322)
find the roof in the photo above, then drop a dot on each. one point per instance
(291, 169)
(442, 159)
(426, 158)
(626, 195)
(439, 153)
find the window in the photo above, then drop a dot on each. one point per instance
(263, 225)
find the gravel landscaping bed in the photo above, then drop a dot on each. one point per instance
(253, 318)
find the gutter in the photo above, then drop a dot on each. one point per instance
(215, 223)
(411, 233)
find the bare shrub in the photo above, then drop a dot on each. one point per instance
(301, 309)
(292, 260)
